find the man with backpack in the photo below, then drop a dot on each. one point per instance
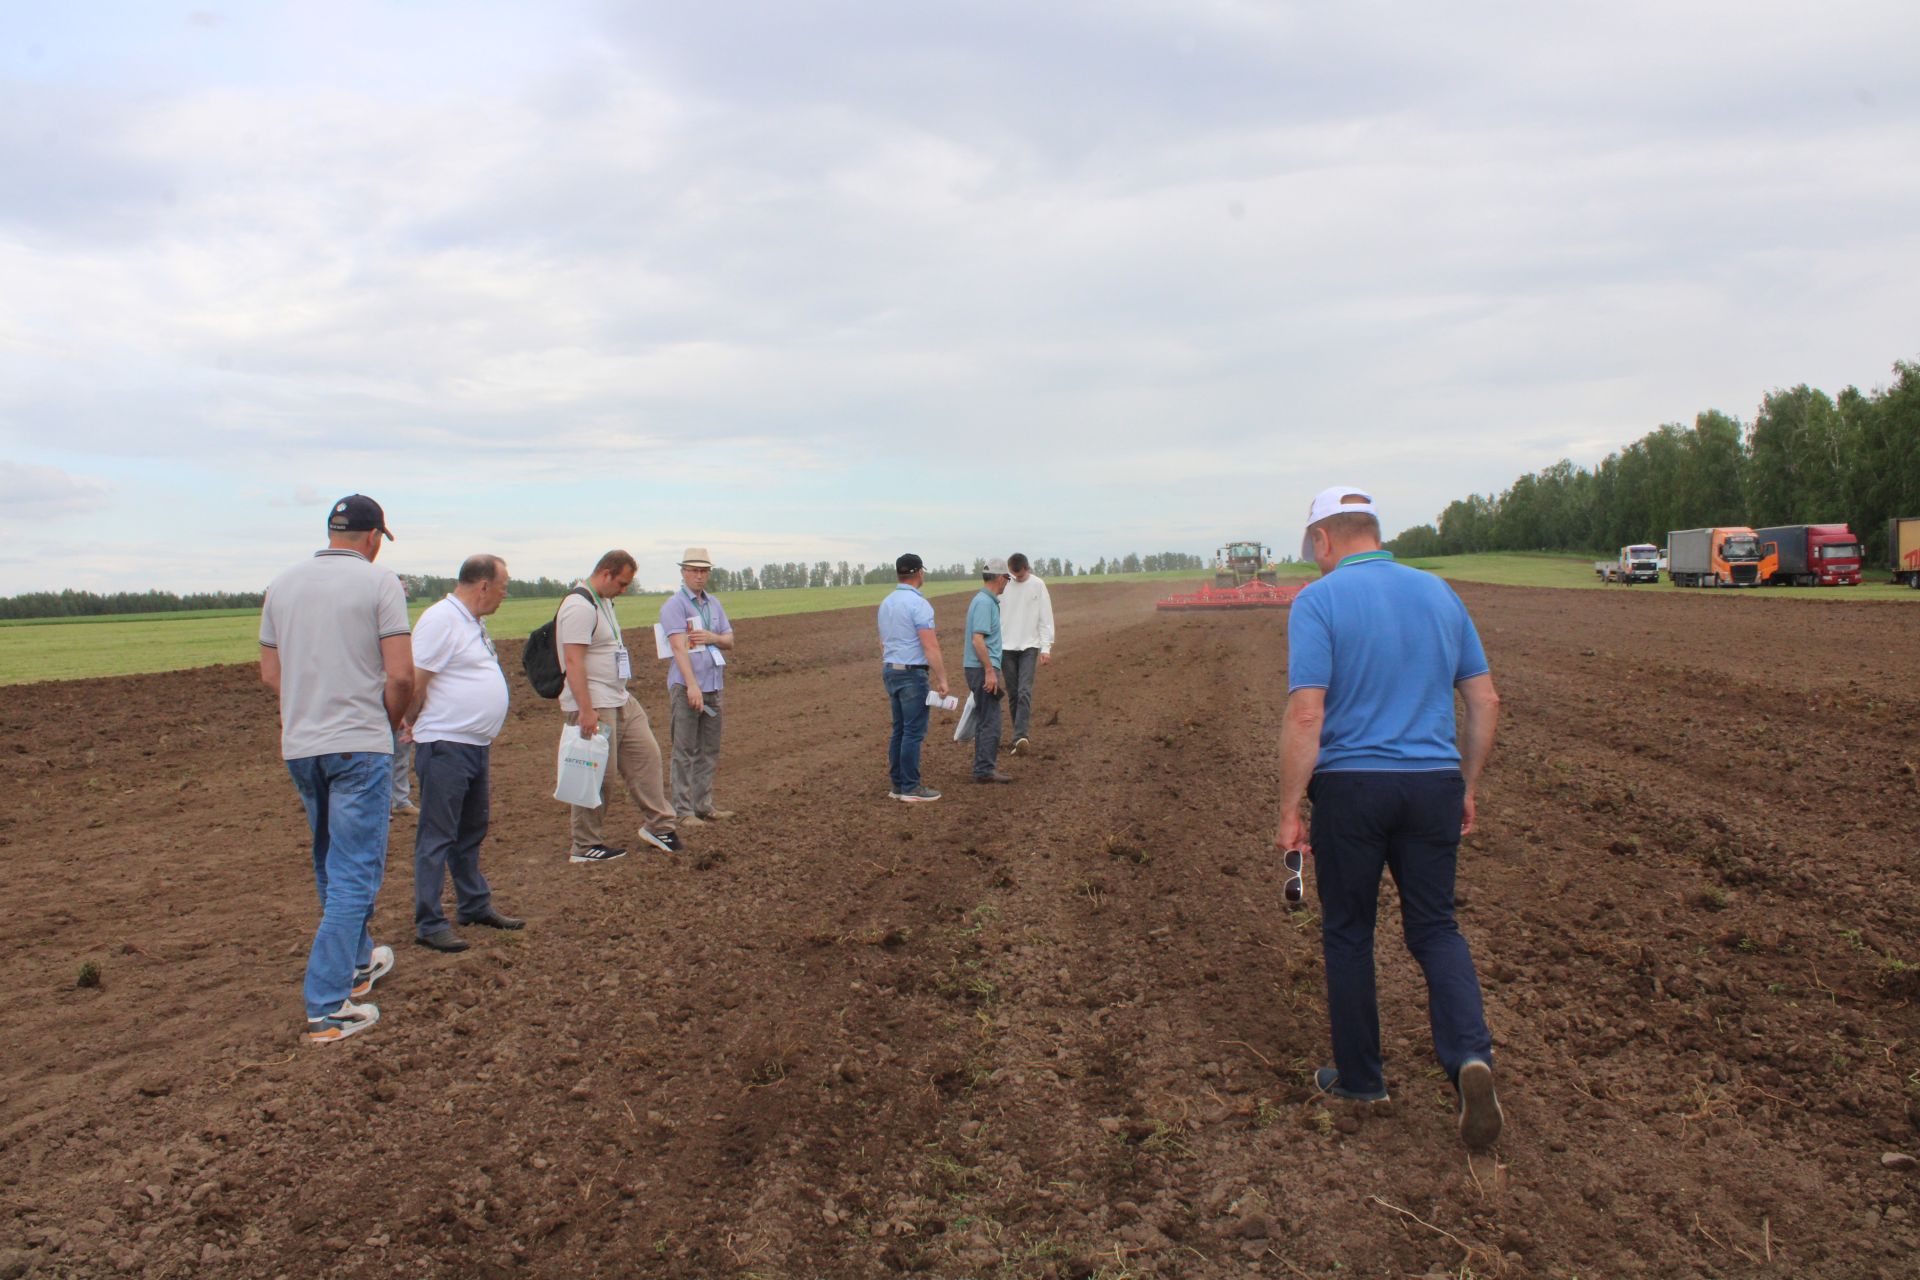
(598, 665)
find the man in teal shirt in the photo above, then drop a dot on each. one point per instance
(982, 669)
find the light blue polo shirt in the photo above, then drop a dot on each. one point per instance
(1388, 644)
(983, 618)
(903, 616)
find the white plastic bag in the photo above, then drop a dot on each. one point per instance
(583, 767)
(963, 732)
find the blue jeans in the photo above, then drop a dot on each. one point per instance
(455, 804)
(347, 801)
(1408, 823)
(907, 694)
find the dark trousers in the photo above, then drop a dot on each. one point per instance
(907, 695)
(1018, 666)
(986, 720)
(454, 807)
(1408, 823)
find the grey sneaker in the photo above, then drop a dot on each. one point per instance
(406, 808)
(919, 794)
(1327, 1081)
(1480, 1116)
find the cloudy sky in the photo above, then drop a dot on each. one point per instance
(833, 280)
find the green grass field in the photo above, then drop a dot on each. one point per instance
(38, 649)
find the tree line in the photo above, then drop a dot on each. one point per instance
(422, 586)
(1806, 458)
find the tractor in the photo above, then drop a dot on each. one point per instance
(1239, 563)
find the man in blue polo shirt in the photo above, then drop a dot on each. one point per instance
(1375, 652)
(908, 651)
(981, 666)
(697, 630)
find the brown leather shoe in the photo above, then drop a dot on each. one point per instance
(995, 776)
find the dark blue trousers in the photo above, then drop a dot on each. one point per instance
(986, 720)
(454, 803)
(1409, 824)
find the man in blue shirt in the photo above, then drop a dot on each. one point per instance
(1375, 651)
(700, 637)
(981, 666)
(908, 651)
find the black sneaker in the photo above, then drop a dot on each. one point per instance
(665, 841)
(921, 794)
(1327, 1081)
(599, 853)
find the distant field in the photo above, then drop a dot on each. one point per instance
(130, 644)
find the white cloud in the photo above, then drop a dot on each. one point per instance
(33, 495)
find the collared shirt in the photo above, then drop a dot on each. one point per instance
(594, 624)
(983, 619)
(904, 614)
(703, 611)
(326, 617)
(467, 697)
(1026, 615)
(1388, 644)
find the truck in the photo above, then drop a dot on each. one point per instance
(1637, 563)
(1903, 549)
(1724, 557)
(1811, 555)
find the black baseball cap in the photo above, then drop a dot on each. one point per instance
(908, 563)
(357, 513)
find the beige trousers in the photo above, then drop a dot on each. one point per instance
(635, 756)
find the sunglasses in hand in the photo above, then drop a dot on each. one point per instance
(1295, 862)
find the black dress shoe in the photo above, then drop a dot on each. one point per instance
(445, 940)
(995, 776)
(494, 920)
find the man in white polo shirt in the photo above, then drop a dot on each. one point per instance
(459, 704)
(333, 647)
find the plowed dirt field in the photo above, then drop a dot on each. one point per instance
(1063, 1028)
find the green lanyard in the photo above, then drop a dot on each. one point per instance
(605, 609)
(702, 606)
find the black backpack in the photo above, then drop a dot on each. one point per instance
(541, 658)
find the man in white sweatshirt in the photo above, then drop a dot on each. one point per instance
(1026, 627)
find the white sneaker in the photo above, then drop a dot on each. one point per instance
(380, 966)
(349, 1019)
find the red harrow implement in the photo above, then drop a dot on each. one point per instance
(1248, 595)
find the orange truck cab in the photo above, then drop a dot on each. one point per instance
(1724, 557)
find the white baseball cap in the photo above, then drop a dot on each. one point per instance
(1338, 500)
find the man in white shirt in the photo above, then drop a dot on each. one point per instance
(599, 665)
(1026, 641)
(459, 704)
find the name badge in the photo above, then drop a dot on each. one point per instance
(623, 663)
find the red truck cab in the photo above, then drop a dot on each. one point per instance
(1812, 555)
